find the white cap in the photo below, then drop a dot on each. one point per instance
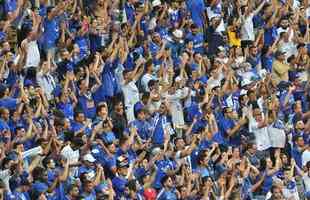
(242, 92)
(178, 33)
(245, 82)
(178, 79)
(221, 48)
(156, 3)
(88, 157)
(90, 175)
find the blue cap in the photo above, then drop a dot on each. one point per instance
(28, 83)
(39, 187)
(101, 187)
(141, 172)
(108, 137)
(137, 108)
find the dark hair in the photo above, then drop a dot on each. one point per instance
(38, 173)
(98, 108)
(164, 179)
(45, 161)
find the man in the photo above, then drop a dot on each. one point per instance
(247, 27)
(197, 11)
(168, 191)
(30, 45)
(73, 192)
(121, 179)
(279, 68)
(160, 123)
(118, 117)
(144, 128)
(258, 124)
(51, 31)
(229, 127)
(45, 80)
(130, 90)
(148, 75)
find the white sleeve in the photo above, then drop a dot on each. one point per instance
(4, 174)
(253, 125)
(33, 152)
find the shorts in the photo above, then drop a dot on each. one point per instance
(246, 43)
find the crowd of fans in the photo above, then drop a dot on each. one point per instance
(154, 99)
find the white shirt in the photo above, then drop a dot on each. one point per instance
(291, 193)
(72, 156)
(47, 83)
(305, 157)
(176, 106)
(306, 180)
(247, 28)
(32, 152)
(33, 54)
(261, 135)
(145, 80)
(131, 96)
(5, 176)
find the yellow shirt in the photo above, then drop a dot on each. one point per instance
(280, 71)
(233, 39)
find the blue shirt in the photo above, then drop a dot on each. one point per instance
(110, 86)
(119, 185)
(162, 167)
(224, 125)
(88, 106)
(76, 126)
(9, 103)
(83, 43)
(130, 13)
(67, 109)
(167, 195)
(198, 41)
(51, 32)
(144, 129)
(196, 9)
(90, 196)
(297, 155)
(159, 122)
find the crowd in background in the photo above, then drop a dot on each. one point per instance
(154, 99)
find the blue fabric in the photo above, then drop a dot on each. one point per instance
(9, 103)
(162, 167)
(51, 33)
(83, 43)
(119, 184)
(224, 125)
(196, 9)
(88, 106)
(144, 129)
(10, 5)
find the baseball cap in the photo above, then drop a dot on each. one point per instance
(122, 161)
(177, 33)
(156, 3)
(89, 157)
